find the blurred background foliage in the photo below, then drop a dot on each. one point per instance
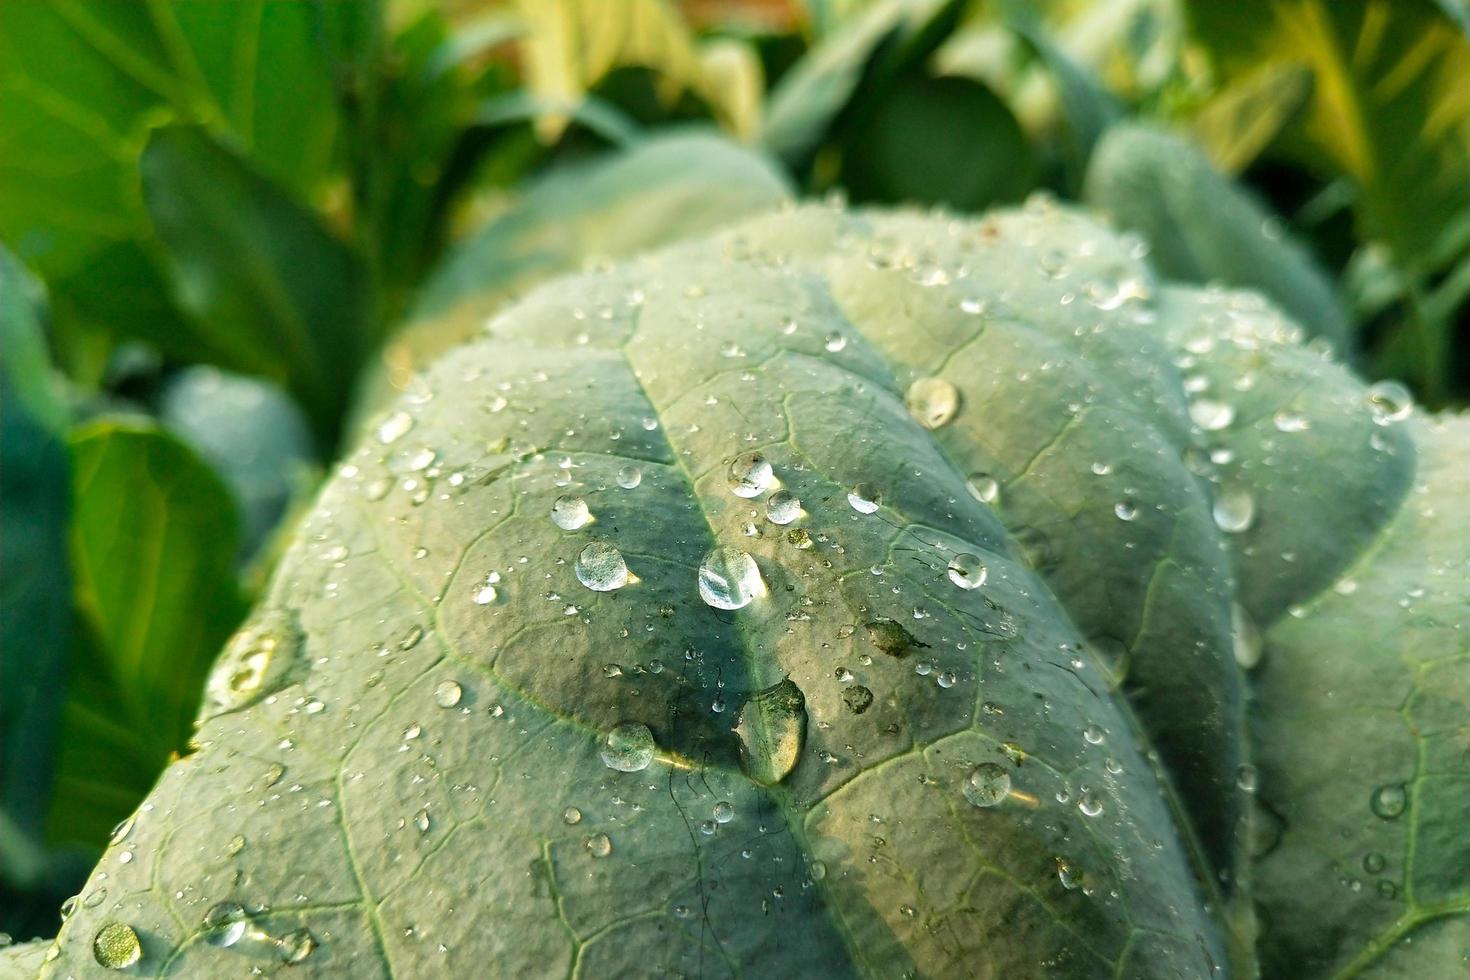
(232, 229)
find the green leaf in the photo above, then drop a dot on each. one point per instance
(876, 44)
(273, 292)
(1204, 229)
(153, 543)
(943, 141)
(1237, 124)
(1389, 109)
(1088, 107)
(669, 186)
(81, 81)
(34, 502)
(558, 651)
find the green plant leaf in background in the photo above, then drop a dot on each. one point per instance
(1203, 229)
(272, 290)
(1390, 110)
(946, 140)
(35, 627)
(670, 186)
(809, 98)
(80, 83)
(1246, 116)
(153, 546)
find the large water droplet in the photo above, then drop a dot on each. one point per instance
(729, 579)
(771, 727)
(394, 427)
(750, 475)
(967, 571)
(865, 498)
(1390, 801)
(1234, 509)
(224, 924)
(933, 401)
(570, 513)
(629, 477)
(1245, 638)
(447, 694)
(601, 568)
(116, 946)
(1211, 415)
(984, 487)
(598, 845)
(1389, 402)
(986, 785)
(628, 747)
(782, 507)
(295, 946)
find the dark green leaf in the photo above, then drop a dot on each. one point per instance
(272, 291)
(943, 141)
(153, 543)
(806, 102)
(80, 83)
(34, 501)
(1204, 229)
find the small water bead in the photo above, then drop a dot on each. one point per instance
(986, 785)
(1247, 778)
(116, 946)
(1093, 735)
(486, 593)
(1373, 862)
(865, 498)
(1090, 804)
(628, 747)
(421, 820)
(629, 477)
(834, 342)
(708, 827)
(224, 924)
(598, 845)
(1126, 510)
(1234, 510)
(447, 694)
(782, 507)
(570, 513)
(121, 831)
(750, 475)
(394, 427)
(601, 567)
(1068, 874)
(1290, 422)
(314, 706)
(295, 946)
(1389, 402)
(967, 571)
(932, 401)
(571, 816)
(729, 579)
(1390, 801)
(984, 487)
(724, 811)
(1211, 415)
(946, 680)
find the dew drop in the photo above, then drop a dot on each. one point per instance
(771, 727)
(224, 924)
(984, 487)
(570, 513)
(1126, 510)
(1245, 638)
(865, 498)
(1089, 804)
(932, 401)
(628, 747)
(1093, 735)
(116, 946)
(1211, 415)
(629, 477)
(598, 845)
(724, 812)
(1234, 510)
(394, 427)
(571, 816)
(1389, 801)
(447, 694)
(967, 571)
(729, 579)
(295, 946)
(601, 568)
(1290, 422)
(834, 342)
(782, 507)
(750, 475)
(121, 831)
(986, 785)
(1390, 402)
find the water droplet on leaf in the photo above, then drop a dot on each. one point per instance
(865, 498)
(628, 747)
(967, 571)
(601, 568)
(447, 694)
(116, 946)
(750, 475)
(932, 401)
(771, 727)
(729, 579)
(570, 513)
(782, 507)
(986, 785)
